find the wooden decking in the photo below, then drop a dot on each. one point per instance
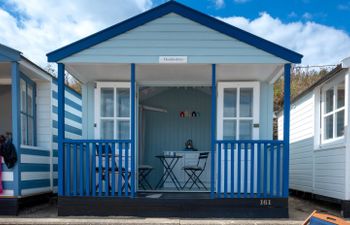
(183, 205)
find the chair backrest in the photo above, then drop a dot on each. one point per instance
(202, 159)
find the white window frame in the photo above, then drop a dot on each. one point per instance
(333, 84)
(256, 106)
(114, 85)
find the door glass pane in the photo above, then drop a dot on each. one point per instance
(107, 100)
(328, 127)
(329, 100)
(246, 102)
(230, 102)
(30, 100)
(245, 129)
(340, 95)
(23, 96)
(340, 123)
(123, 129)
(23, 129)
(107, 129)
(123, 102)
(229, 132)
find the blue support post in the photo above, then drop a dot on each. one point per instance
(286, 122)
(16, 127)
(133, 130)
(60, 128)
(213, 131)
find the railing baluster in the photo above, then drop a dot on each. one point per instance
(93, 169)
(278, 170)
(120, 168)
(258, 170)
(219, 171)
(81, 184)
(233, 145)
(239, 170)
(272, 156)
(106, 169)
(265, 170)
(252, 172)
(113, 169)
(245, 169)
(75, 165)
(126, 162)
(67, 148)
(87, 172)
(225, 171)
(100, 169)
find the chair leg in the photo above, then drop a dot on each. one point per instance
(191, 177)
(198, 180)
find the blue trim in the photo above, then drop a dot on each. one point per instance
(33, 167)
(213, 130)
(8, 185)
(286, 123)
(61, 106)
(132, 80)
(25, 151)
(189, 13)
(35, 183)
(16, 126)
(9, 54)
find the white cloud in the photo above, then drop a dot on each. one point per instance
(318, 43)
(219, 4)
(48, 25)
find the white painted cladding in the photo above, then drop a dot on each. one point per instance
(316, 170)
(173, 35)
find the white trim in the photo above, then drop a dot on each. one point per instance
(34, 148)
(115, 118)
(38, 73)
(256, 106)
(347, 136)
(5, 81)
(174, 83)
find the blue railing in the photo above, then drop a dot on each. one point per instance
(250, 169)
(97, 168)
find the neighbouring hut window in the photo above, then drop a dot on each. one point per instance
(333, 111)
(27, 102)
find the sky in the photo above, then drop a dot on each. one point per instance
(318, 29)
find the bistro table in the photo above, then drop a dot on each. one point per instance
(169, 162)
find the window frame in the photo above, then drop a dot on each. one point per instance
(28, 82)
(331, 85)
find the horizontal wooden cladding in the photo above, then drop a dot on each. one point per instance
(180, 207)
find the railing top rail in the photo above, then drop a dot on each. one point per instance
(250, 141)
(73, 141)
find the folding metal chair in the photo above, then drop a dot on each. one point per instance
(194, 172)
(144, 171)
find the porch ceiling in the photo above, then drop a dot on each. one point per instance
(175, 74)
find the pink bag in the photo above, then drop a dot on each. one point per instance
(0, 175)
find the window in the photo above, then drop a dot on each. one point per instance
(333, 111)
(27, 102)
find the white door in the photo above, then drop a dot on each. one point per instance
(112, 110)
(237, 119)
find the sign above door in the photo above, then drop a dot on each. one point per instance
(172, 59)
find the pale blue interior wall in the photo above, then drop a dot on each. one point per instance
(169, 132)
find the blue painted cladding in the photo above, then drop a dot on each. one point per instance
(73, 121)
(184, 11)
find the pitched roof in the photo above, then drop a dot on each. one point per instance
(9, 54)
(182, 10)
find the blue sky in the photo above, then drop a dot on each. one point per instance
(334, 13)
(317, 29)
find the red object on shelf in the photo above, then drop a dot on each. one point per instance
(182, 114)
